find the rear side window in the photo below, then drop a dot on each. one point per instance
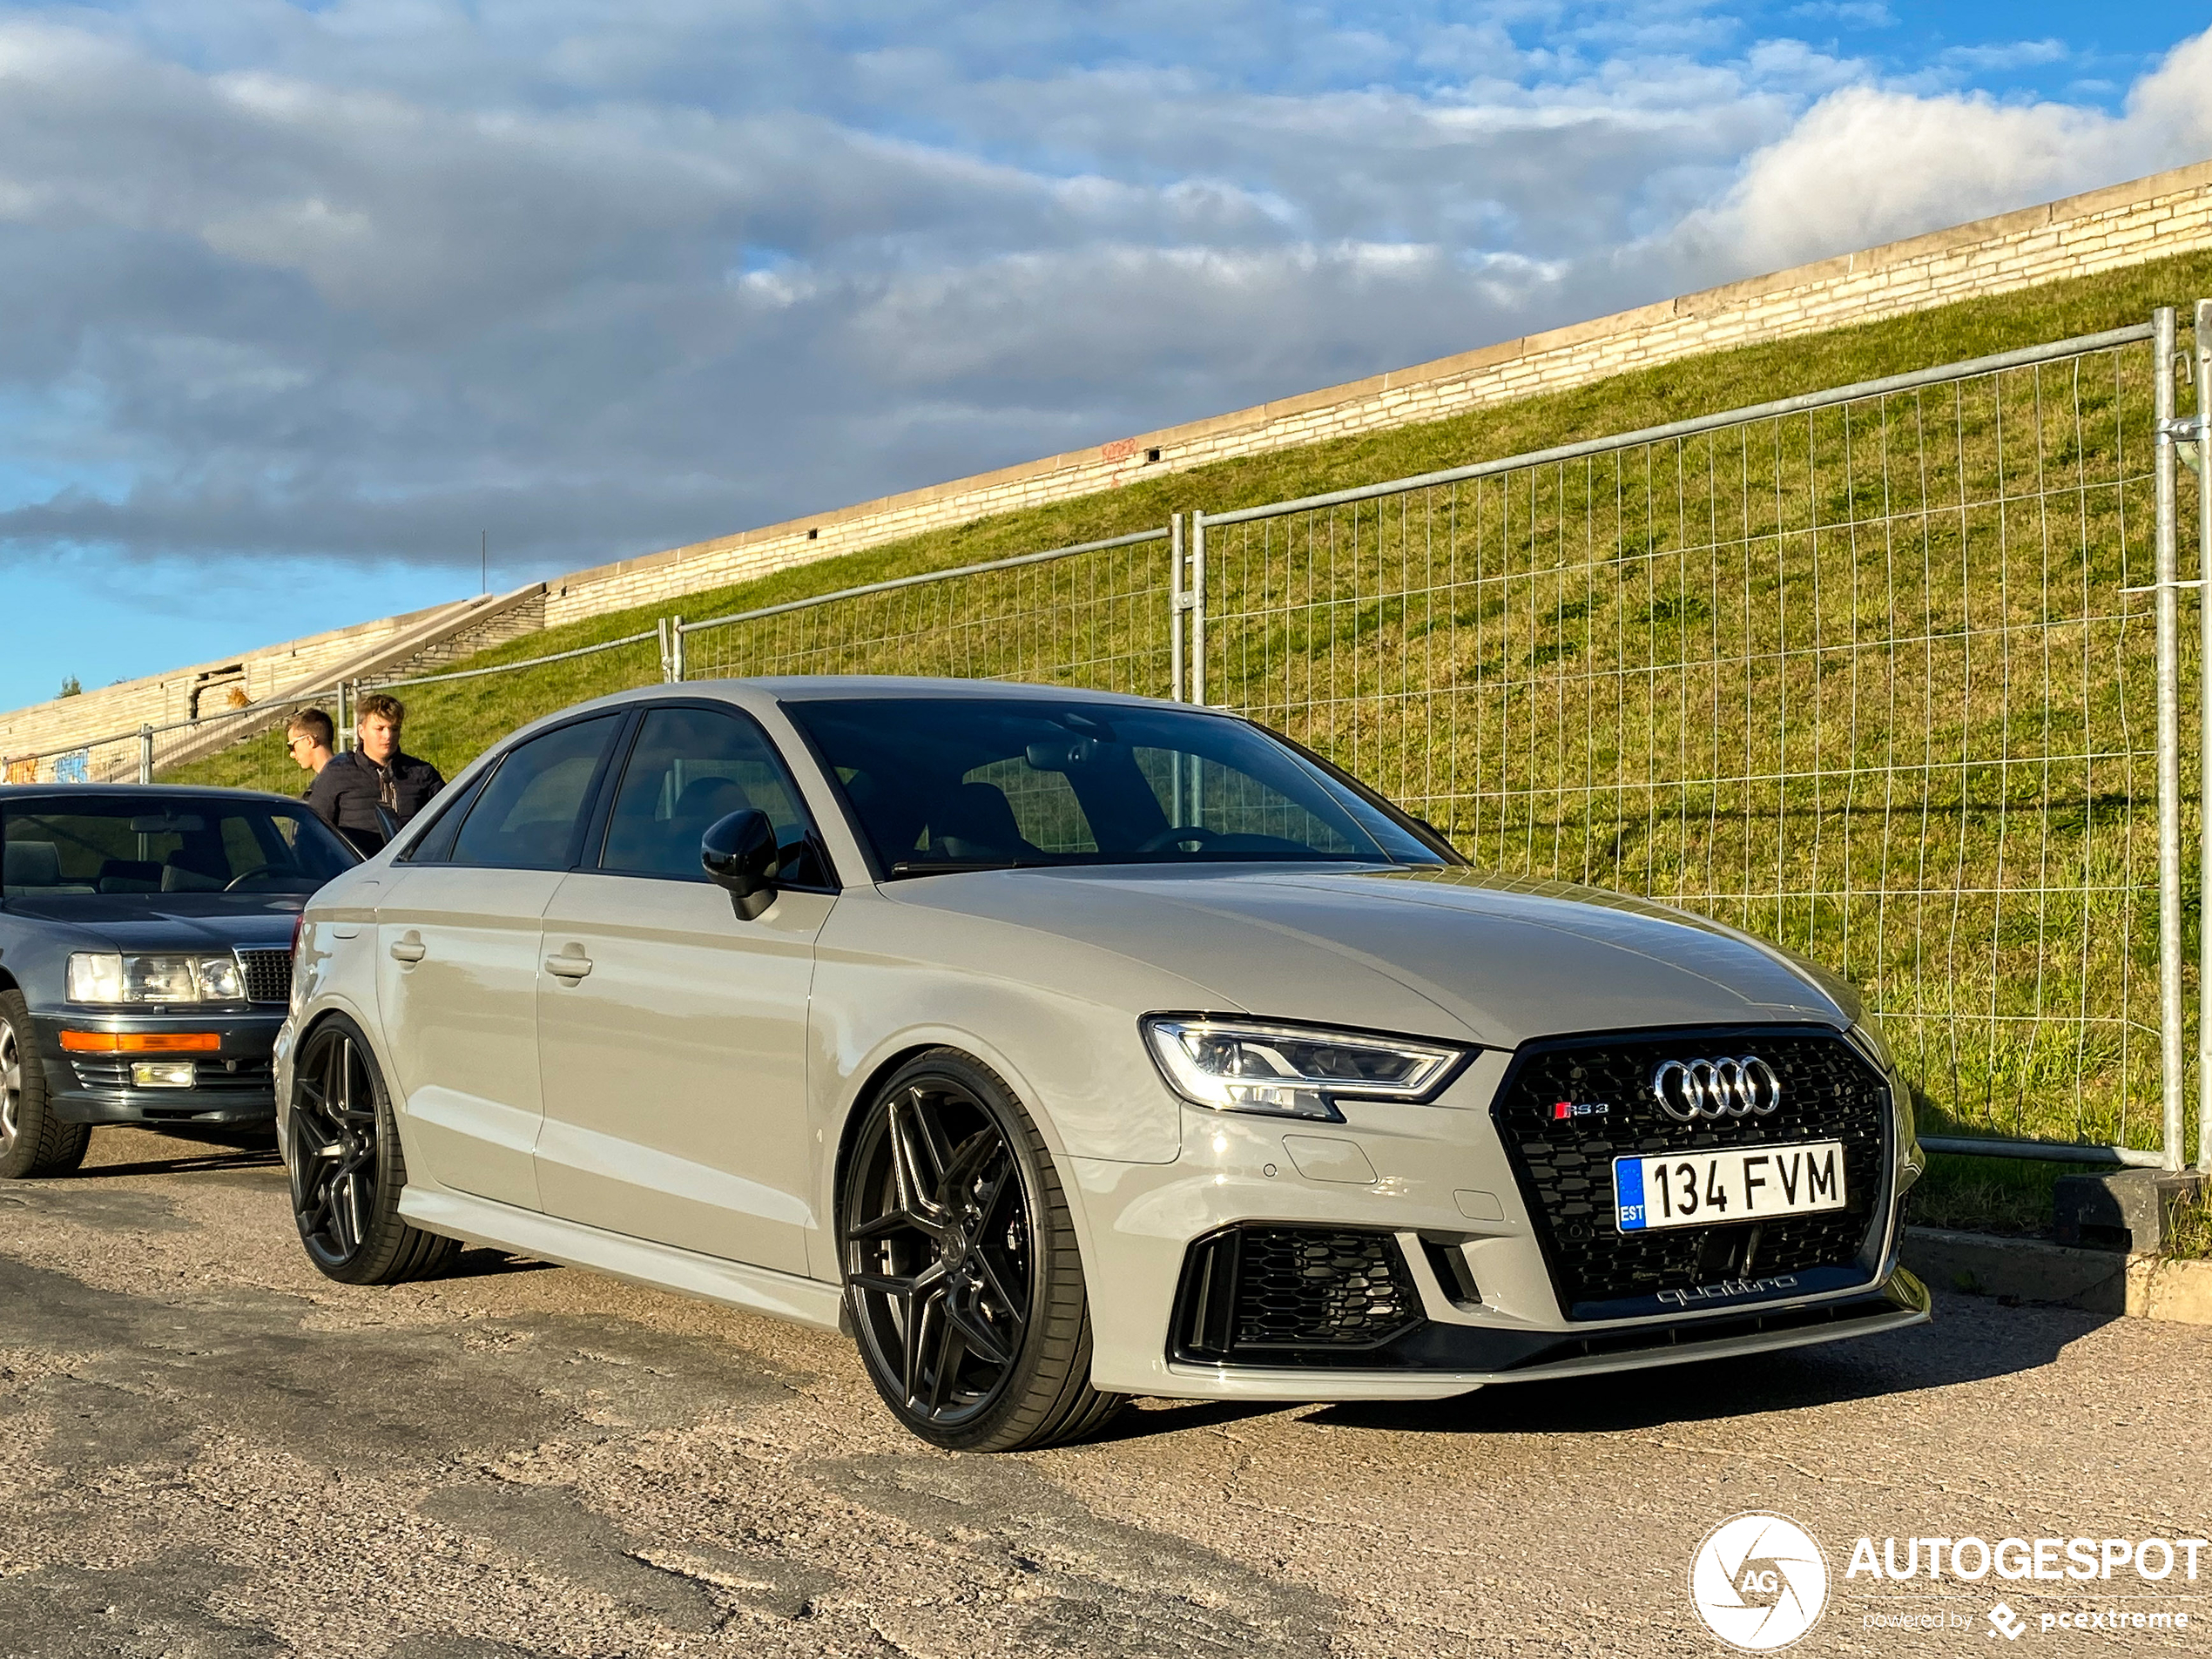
(689, 768)
(529, 815)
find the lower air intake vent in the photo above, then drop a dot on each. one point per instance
(1293, 1295)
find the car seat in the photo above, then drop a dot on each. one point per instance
(181, 873)
(976, 821)
(130, 875)
(32, 864)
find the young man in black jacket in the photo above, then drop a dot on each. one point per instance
(348, 791)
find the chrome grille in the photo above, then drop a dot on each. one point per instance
(268, 975)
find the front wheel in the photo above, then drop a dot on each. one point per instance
(32, 1139)
(962, 1266)
(348, 1168)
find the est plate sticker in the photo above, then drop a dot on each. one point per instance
(1748, 1183)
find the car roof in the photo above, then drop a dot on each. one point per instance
(820, 688)
(15, 794)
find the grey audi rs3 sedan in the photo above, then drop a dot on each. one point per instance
(145, 958)
(1060, 1047)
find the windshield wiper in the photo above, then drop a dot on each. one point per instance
(962, 866)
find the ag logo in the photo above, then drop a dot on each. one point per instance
(1759, 1581)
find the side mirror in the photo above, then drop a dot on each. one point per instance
(387, 821)
(737, 853)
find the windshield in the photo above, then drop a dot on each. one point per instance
(126, 843)
(943, 784)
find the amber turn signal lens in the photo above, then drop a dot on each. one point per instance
(142, 1041)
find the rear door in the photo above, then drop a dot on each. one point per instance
(673, 1035)
(458, 962)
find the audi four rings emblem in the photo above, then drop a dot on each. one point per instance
(1689, 1089)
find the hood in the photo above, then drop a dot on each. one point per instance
(176, 921)
(1454, 953)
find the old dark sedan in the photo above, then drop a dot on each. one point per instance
(145, 958)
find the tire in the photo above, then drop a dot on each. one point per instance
(961, 1270)
(33, 1141)
(348, 1168)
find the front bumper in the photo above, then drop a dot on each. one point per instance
(234, 1085)
(1475, 1299)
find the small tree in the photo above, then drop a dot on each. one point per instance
(71, 688)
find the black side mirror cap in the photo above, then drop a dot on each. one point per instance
(737, 853)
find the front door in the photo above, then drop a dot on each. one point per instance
(673, 1035)
(458, 949)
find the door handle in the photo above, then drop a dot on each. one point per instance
(408, 950)
(569, 968)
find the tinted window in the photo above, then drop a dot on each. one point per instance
(130, 844)
(688, 768)
(950, 782)
(528, 815)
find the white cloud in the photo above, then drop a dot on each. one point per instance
(1866, 165)
(356, 283)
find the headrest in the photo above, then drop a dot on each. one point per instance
(32, 864)
(976, 820)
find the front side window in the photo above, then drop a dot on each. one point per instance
(125, 844)
(950, 782)
(527, 817)
(689, 768)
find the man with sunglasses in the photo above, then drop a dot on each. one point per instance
(307, 739)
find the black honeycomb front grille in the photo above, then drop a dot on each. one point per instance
(1287, 1296)
(1565, 1165)
(268, 975)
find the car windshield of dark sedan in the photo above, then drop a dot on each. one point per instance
(125, 844)
(945, 783)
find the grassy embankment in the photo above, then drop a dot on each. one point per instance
(1741, 681)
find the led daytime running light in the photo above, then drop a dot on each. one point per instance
(1294, 1071)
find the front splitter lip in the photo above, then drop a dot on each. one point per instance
(155, 1107)
(1908, 1295)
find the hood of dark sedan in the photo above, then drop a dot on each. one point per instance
(174, 921)
(1419, 952)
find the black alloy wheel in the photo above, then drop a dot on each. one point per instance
(962, 1266)
(32, 1139)
(347, 1169)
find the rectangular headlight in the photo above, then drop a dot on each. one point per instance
(1233, 1065)
(100, 977)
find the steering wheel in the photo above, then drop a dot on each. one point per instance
(245, 876)
(1175, 837)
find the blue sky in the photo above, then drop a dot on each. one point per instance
(302, 299)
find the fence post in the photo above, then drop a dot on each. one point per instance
(145, 752)
(2203, 343)
(676, 650)
(345, 724)
(2172, 1054)
(1198, 607)
(1175, 607)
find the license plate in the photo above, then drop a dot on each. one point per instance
(1707, 1188)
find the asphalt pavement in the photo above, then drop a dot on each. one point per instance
(206, 1450)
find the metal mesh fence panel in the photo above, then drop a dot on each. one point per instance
(1864, 678)
(1095, 615)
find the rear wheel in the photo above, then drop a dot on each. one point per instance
(348, 1168)
(961, 1267)
(32, 1139)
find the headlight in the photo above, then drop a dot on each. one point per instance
(1292, 1071)
(101, 977)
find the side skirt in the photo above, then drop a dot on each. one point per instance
(661, 1267)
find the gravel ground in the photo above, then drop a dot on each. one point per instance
(210, 1450)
